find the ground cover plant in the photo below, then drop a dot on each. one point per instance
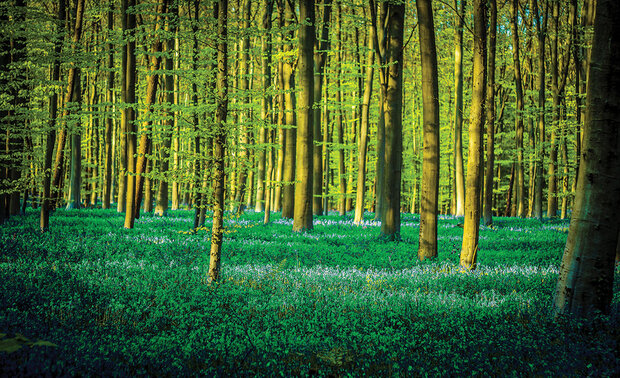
(90, 297)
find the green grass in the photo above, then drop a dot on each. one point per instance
(337, 300)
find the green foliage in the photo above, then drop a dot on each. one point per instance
(336, 300)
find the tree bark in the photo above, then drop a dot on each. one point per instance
(585, 285)
(75, 182)
(51, 135)
(490, 116)
(302, 219)
(219, 142)
(109, 122)
(520, 171)
(471, 225)
(430, 164)
(458, 110)
(288, 189)
(363, 140)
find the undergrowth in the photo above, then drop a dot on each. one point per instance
(90, 298)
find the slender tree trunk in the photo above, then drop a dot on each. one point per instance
(302, 219)
(129, 118)
(291, 132)
(277, 203)
(520, 171)
(541, 31)
(458, 110)
(219, 142)
(109, 122)
(586, 277)
(363, 140)
(266, 101)
(342, 197)
(320, 60)
(471, 225)
(161, 207)
(429, 196)
(75, 182)
(490, 116)
(176, 143)
(51, 136)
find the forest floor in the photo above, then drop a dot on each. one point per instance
(91, 298)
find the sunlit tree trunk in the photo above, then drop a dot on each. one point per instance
(51, 136)
(129, 117)
(219, 142)
(429, 194)
(342, 180)
(586, 277)
(541, 31)
(471, 224)
(133, 209)
(176, 143)
(288, 189)
(279, 174)
(490, 117)
(363, 140)
(458, 110)
(378, 17)
(320, 60)
(265, 107)
(302, 219)
(520, 171)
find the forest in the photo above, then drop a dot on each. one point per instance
(331, 187)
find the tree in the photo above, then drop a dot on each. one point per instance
(75, 183)
(109, 123)
(302, 219)
(288, 177)
(390, 219)
(490, 117)
(363, 139)
(51, 135)
(471, 225)
(266, 116)
(342, 180)
(219, 142)
(430, 102)
(320, 60)
(458, 110)
(541, 31)
(586, 277)
(520, 171)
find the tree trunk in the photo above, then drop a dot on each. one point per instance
(585, 285)
(363, 140)
(51, 136)
(541, 31)
(219, 142)
(303, 171)
(429, 194)
(288, 189)
(75, 183)
(520, 171)
(390, 220)
(265, 108)
(458, 111)
(490, 117)
(320, 60)
(161, 207)
(378, 20)
(471, 225)
(109, 122)
(129, 113)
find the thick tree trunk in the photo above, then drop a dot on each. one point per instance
(429, 194)
(585, 285)
(390, 220)
(458, 111)
(490, 117)
(219, 142)
(471, 225)
(302, 219)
